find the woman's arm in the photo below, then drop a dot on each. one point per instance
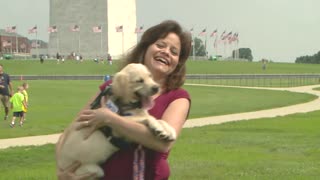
(175, 115)
(10, 89)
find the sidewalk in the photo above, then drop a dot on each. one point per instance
(298, 108)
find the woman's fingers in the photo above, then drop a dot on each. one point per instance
(85, 117)
(69, 173)
(87, 112)
(87, 175)
(82, 124)
(73, 167)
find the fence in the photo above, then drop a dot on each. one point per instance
(262, 80)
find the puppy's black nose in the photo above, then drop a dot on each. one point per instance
(155, 89)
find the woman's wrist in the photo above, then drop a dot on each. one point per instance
(106, 116)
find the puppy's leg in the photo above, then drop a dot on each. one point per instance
(169, 132)
(161, 129)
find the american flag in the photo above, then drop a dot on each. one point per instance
(119, 28)
(235, 37)
(75, 28)
(227, 36)
(52, 29)
(97, 29)
(6, 43)
(139, 29)
(214, 33)
(203, 32)
(33, 30)
(222, 34)
(11, 29)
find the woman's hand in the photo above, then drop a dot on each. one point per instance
(69, 173)
(94, 119)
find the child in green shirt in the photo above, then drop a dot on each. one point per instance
(17, 104)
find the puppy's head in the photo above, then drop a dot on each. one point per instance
(134, 83)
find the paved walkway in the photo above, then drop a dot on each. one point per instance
(298, 108)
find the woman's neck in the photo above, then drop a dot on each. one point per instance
(160, 81)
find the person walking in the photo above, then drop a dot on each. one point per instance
(6, 91)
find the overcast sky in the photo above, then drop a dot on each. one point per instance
(280, 30)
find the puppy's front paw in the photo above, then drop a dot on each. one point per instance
(163, 131)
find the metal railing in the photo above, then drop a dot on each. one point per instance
(260, 80)
(263, 80)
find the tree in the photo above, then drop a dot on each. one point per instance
(198, 47)
(244, 53)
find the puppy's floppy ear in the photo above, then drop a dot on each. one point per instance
(120, 84)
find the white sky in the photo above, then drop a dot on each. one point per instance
(280, 30)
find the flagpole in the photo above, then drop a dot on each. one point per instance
(11, 44)
(16, 43)
(79, 44)
(205, 45)
(58, 48)
(224, 48)
(101, 42)
(37, 44)
(193, 44)
(237, 50)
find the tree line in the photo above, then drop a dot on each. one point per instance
(314, 59)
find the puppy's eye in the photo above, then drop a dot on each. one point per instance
(140, 81)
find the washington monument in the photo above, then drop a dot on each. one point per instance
(92, 28)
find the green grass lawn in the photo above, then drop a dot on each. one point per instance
(269, 148)
(54, 104)
(240, 67)
(88, 67)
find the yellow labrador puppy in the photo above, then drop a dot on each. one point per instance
(129, 94)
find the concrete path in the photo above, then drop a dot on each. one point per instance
(298, 108)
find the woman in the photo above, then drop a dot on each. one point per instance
(164, 49)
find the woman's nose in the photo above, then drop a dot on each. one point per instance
(166, 51)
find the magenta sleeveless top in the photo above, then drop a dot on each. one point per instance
(120, 165)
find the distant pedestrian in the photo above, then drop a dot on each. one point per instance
(62, 59)
(264, 64)
(96, 60)
(109, 59)
(101, 60)
(17, 102)
(77, 58)
(57, 56)
(80, 58)
(41, 59)
(6, 91)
